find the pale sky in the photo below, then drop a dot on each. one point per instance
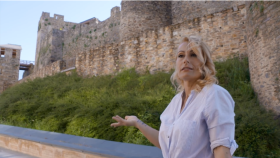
(19, 19)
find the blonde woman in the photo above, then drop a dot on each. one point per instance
(199, 120)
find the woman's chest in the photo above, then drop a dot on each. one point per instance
(183, 133)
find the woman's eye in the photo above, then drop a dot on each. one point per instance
(193, 55)
(181, 56)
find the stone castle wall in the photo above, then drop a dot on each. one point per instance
(134, 19)
(263, 33)
(139, 16)
(155, 50)
(58, 39)
(48, 70)
(182, 11)
(92, 33)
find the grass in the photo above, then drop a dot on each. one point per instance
(84, 106)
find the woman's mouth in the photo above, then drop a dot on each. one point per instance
(187, 68)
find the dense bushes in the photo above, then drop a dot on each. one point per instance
(85, 106)
(257, 132)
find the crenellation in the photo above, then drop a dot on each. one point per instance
(58, 17)
(115, 12)
(45, 15)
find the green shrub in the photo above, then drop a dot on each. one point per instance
(257, 132)
(85, 106)
(82, 127)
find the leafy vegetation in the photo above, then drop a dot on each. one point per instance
(85, 106)
(257, 5)
(111, 25)
(39, 27)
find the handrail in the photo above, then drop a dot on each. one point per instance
(27, 62)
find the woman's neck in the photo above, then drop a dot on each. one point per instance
(188, 87)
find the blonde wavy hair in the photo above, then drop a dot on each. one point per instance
(207, 68)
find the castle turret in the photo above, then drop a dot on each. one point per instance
(138, 16)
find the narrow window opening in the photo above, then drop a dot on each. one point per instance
(0, 71)
(14, 53)
(56, 17)
(2, 52)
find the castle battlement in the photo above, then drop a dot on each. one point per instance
(46, 15)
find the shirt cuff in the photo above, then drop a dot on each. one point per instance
(232, 145)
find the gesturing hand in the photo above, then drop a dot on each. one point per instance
(128, 121)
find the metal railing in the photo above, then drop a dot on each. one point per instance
(27, 62)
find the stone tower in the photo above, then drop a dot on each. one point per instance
(138, 16)
(49, 40)
(263, 39)
(9, 65)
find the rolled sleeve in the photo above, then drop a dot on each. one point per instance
(219, 116)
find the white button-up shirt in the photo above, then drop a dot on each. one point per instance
(206, 122)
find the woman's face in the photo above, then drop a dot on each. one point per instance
(187, 63)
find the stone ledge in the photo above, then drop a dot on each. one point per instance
(53, 145)
(60, 145)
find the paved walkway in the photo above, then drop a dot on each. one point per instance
(5, 153)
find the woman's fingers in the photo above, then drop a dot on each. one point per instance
(115, 124)
(120, 121)
(117, 118)
(127, 121)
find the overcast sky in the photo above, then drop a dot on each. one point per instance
(19, 19)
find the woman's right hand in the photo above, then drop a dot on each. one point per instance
(128, 121)
(150, 133)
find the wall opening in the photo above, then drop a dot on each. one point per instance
(0, 71)
(2, 52)
(14, 55)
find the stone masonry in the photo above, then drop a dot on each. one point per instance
(263, 34)
(58, 39)
(9, 65)
(146, 34)
(224, 32)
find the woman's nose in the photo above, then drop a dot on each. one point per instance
(186, 60)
